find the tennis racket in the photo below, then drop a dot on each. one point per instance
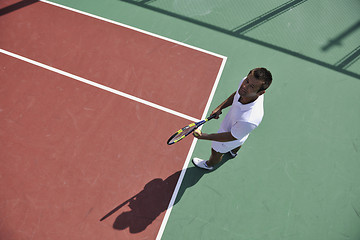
(182, 133)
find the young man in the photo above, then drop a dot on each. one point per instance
(245, 115)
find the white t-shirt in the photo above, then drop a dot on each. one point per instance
(240, 121)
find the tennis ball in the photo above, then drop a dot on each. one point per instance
(197, 132)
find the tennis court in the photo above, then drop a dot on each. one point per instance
(91, 91)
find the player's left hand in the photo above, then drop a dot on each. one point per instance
(197, 133)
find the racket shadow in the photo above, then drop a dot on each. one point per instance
(154, 199)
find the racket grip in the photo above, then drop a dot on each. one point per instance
(211, 117)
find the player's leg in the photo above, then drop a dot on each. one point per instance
(215, 158)
(233, 152)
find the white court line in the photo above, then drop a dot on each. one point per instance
(182, 174)
(133, 28)
(94, 84)
(183, 171)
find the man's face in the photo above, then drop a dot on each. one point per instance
(251, 86)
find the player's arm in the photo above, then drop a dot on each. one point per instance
(228, 102)
(238, 131)
(218, 137)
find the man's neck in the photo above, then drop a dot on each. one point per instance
(244, 100)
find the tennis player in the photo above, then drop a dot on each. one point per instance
(245, 115)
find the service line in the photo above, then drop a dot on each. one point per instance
(94, 84)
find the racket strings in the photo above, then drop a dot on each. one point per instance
(183, 133)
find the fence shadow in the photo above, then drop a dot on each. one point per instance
(240, 31)
(16, 6)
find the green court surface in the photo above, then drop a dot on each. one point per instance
(298, 175)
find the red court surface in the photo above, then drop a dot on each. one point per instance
(138, 64)
(71, 153)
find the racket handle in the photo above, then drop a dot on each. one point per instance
(211, 117)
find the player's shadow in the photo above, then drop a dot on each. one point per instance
(154, 199)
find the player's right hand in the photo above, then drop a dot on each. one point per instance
(217, 113)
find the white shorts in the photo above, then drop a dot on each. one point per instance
(224, 147)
